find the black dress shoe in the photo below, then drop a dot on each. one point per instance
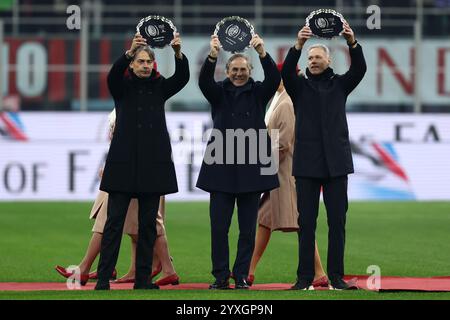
(340, 284)
(220, 285)
(241, 284)
(302, 285)
(101, 285)
(145, 286)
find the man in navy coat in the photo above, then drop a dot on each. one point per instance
(237, 107)
(322, 154)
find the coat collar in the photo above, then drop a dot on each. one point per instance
(153, 76)
(229, 86)
(327, 74)
(280, 99)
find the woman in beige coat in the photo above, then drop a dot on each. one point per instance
(278, 208)
(161, 258)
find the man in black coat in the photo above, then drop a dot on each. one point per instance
(139, 163)
(322, 154)
(228, 173)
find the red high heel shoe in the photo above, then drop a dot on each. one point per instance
(156, 272)
(321, 282)
(172, 279)
(94, 276)
(84, 278)
(132, 280)
(122, 280)
(250, 279)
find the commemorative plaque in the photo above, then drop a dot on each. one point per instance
(325, 23)
(157, 30)
(234, 33)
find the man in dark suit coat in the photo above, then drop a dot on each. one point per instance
(237, 105)
(139, 163)
(322, 154)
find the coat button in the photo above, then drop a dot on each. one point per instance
(139, 108)
(139, 126)
(151, 126)
(140, 91)
(149, 92)
(232, 114)
(247, 114)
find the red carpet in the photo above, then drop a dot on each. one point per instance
(387, 284)
(395, 283)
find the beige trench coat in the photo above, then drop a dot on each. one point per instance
(279, 212)
(99, 213)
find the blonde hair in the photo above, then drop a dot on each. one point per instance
(321, 46)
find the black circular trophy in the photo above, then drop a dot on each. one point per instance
(234, 33)
(325, 23)
(157, 30)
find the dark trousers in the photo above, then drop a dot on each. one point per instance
(336, 203)
(221, 211)
(112, 234)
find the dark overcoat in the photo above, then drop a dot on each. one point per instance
(234, 108)
(140, 155)
(322, 146)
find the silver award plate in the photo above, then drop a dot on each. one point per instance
(325, 23)
(157, 30)
(234, 33)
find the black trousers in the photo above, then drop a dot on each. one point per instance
(112, 234)
(336, 203)
(221, 212)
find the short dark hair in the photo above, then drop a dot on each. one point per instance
(236, 56)
(147, 49)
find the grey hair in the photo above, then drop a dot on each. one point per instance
(147, 49)
(321, 46)
(236, 56)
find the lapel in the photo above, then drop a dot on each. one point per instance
(280, 100)
(274, 117)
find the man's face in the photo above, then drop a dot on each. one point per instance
(142, 65)
(238, 72)
(317, 60)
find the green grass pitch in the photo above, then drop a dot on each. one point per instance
(402, 238)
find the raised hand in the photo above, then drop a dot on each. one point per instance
(258, 44)
(176, 45)
(215, 46)
(138, 41)
(303, 35)
(348, 33)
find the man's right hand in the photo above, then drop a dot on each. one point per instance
(138, 41)
(303, 35)
(215, 46)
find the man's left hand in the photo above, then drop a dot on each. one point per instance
(348, 33)
(258, 44)
(176, 46)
